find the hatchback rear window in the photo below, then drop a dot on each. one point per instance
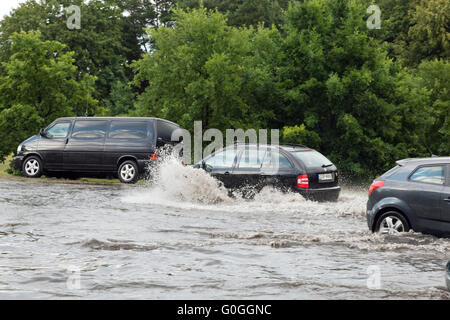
(312, 159)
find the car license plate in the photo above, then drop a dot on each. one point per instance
(326, 177)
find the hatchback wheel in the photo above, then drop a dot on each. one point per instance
(128, 172)
(32, 167)
(392, 223)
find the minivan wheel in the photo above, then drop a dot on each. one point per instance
(128, 172)
(392, 223)
(32, 167)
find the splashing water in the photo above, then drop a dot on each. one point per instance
(174, 185)
(182, 236)
(171, 181)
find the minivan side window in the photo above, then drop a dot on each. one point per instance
(431, 175)
(128, 130)
(58, 130)
(165, 130)
(90, 130)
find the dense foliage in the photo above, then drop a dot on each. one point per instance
(311, 68)
(39, 85)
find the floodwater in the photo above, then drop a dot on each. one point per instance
(184, 238)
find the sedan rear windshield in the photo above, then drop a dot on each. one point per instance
(312, 159)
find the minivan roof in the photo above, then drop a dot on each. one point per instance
(424, 160)
(116, 118)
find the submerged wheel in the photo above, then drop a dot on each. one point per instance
(392, 223)
(128, 172)
(32, 167)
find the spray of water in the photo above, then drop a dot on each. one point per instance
(173, 185)
(172, 181)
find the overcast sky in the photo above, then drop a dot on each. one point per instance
(7, 5)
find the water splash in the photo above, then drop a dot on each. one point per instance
(174, 185)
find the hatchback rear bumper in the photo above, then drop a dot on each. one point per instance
(323, 194)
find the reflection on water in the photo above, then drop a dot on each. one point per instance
(184, 237)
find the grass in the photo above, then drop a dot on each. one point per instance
(4, 166)
(5, 175)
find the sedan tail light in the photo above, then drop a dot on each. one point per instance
(376, 185)
(303, 181)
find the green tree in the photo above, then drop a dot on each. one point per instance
(139, 15)
(340, 84)
(120, 101)
(435, 76)
(415, 30)
(98, 47)
(202, 69)
(300, 135)
(40, 84)
(244, 12)
(396, 21)
(430, 32)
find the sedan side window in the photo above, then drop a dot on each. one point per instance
(59, 130)
(222, 160)
(432, 175)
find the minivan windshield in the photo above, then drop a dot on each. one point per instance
(312, 159)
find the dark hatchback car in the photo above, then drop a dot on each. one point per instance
(285, 167)
(413, 195)
(119, 146)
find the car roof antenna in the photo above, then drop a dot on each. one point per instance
(432, 155)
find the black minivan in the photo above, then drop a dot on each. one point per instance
(290, 168)
(121, 146)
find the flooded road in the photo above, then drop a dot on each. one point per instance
(189, 240)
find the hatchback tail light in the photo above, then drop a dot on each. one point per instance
(376, 185)
(303, 181)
